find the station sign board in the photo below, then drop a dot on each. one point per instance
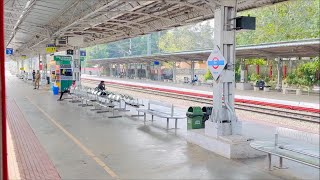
(62, 58)
(23, 56)
(216, 63)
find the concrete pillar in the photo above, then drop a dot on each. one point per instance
(147, 71)
(44, 66)
(174, 72)
(192, 70)
(243, 72)
(284, 71)
(270, 71)
(110, 70)
(257, 69)
(280, 74)
(136, 71)
(224, 120)
(76, 65)
(159, 72)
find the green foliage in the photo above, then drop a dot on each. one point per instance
(285, 21)
(186, 38)
(254, 77)
(256, 61)
(208, 75)
(305, 74)
(290, 20)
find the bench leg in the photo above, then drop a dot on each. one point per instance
(269, 161)
(280, 164)
(152, 118)
(167, 123)
(176, 124)
(144, 118)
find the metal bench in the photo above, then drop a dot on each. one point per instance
(290, 151)
(286, 91)
(161, 112)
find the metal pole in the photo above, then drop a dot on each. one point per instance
(3, 132)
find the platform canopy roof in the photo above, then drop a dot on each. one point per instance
(31, 24)
(290, 49)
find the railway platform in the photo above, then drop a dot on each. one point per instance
(72, 142)
(205, 89)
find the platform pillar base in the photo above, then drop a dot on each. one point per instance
(231, 146)
(244, 86)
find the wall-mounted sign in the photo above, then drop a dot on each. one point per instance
(83, 53)
(9, 51)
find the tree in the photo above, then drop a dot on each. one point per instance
(285, 21)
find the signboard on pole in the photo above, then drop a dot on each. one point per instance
(9, 51)
(62, 58)
(50, 48)
(216, 63)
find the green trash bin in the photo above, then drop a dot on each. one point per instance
(194, 118)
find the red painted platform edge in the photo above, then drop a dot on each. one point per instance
(246, 101)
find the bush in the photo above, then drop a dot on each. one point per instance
(305, 74)
(254, 77)
(208, 75)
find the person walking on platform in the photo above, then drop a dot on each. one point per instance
(37, 80)
(33, 75)
(101, 86)
(73, 86)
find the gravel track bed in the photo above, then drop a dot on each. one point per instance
(241, 114)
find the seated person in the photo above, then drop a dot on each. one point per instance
(101, 86)
(195, 79)
(73, 85)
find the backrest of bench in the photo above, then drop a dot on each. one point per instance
(298, 135)
(167, 105)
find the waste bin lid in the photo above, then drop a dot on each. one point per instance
(195, 110)
(207, 109)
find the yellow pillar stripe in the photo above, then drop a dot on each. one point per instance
(75, 140)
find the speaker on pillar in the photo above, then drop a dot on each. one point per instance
(69, 52)
(245, 22)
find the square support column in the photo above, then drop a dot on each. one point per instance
(136, 71)
(147, 71)
(110, 70)
(280, 74)
(223, 116)
(174, 72)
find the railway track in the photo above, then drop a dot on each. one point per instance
(291, 114)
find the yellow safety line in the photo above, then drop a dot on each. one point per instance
(74, 139)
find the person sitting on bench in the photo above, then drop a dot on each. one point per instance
(195, 79)
(101, 86)
(73, 85)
